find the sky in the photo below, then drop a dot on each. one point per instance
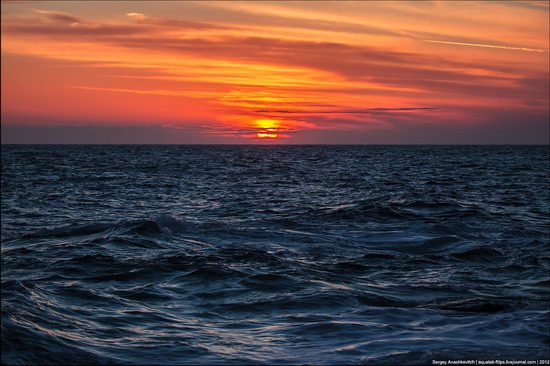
(275, 72)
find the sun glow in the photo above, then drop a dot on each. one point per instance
(267, 123)
(268, 128)
(267, 135)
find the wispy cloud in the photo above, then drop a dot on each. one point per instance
(136, 15)
(526, 49)
(347, 111)
(57, 16)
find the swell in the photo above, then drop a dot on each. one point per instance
(295, 255)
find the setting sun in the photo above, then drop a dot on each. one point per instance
(265, 135)
(268, 124)
(268, 128)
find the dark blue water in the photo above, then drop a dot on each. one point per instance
(274, 254)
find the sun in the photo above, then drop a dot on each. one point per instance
(268, 128)
(265, 135)
(267, 124)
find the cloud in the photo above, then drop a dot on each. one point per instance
(241, 15)
(60, 17)
(499, 128)
(174, 24)
(122, 134)
(535, 5)
(496, 127)
(356, 63)
(346, 111)
(64, 26)
(386, 68)
(173, 93)
(178, 24)
(136, 15)
(487, 46)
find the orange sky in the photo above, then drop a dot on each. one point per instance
(290, 72)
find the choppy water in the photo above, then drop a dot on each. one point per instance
(274, 254)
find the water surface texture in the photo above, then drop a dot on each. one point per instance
(274, 254)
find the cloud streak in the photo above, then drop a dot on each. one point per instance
(347, 111)
(61, 17)
(526, 49)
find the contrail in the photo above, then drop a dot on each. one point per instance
(487, 46)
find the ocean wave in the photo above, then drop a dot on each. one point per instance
(284, 255)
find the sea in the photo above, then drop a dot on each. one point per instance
(274, 255)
